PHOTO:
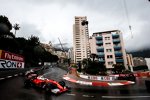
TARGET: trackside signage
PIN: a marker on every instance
(11, 60)
(101, 78)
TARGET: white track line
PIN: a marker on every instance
(88, 96)
(16, 75)
(124, 97)
(2, 78)
(9, 76)
(71, 94)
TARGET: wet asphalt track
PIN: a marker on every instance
(13, 89)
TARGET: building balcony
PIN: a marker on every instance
(99, 42)
(118, 54)
(99, 49)
(116, 41)
(102, 61)
(100, 54)
(117, 47)
(119, 60)
(115, 36)
(98, 37)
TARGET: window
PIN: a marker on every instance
(110, 63)
(108, 44)
(107, 38)
(108, 50)
(109, 56)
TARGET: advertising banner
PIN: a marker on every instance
(11, 60)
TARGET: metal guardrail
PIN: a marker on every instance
(10, 72)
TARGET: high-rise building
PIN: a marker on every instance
(109, 47)
(80, 39)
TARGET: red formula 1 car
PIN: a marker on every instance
(48, 85)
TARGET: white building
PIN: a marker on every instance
(148, 62)
(80, 39)
(109, 47)
(71, 55)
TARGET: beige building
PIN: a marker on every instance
(60, 53)
(80, 39)
(130, 61)
(48, 47)
(109, 47)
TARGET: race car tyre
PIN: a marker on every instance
(42, 85)
(62, 83)
(48, 87)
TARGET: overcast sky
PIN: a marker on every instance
(53, 19)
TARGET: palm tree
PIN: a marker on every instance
(16, 27)
(93, 56)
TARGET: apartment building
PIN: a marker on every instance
(109, 47)
(80, 39)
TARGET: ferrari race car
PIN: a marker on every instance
(48, 85)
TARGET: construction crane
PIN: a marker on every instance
(127, 15)
(61, 44)
(63, 50)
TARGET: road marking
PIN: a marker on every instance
(115, 84)
(124, 97)
(88, 96)
(2, 78)
(71, 94)
(66, 78)
(16, 75)
(9, 76)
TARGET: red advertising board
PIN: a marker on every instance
(11, 60)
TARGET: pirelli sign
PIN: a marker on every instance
(11, 60)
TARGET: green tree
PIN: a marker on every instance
(93, 56)
(96, 68)
(33, 41)
(118, 68)
(84, 62)
(55, 58)
(9, 44)
(5, 27)
(4, 20)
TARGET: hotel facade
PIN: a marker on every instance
(109, 47)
